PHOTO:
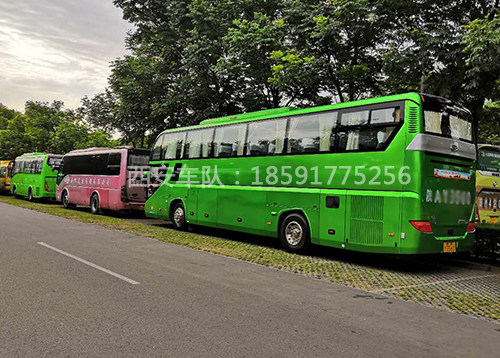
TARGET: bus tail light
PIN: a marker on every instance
(422, 226)
(124, 194)
(47, 187)
(471, 227)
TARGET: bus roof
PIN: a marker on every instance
(488, 146)
(89, 151)
(248, 115)
(287, 111)
(32, 154)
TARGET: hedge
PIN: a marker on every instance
(487, 242)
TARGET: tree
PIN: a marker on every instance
(195, 59)
(6, 115)
(47, 128)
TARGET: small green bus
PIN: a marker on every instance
(35, 176)
(393, 174)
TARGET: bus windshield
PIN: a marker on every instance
(489, 160)
(449, 122)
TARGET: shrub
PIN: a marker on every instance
(488, 241)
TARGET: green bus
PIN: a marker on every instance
(35, 176)
(393, 174)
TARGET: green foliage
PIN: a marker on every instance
(195, 59)
(46, 128)
(482, 46)
(488, 241)
(489, 127)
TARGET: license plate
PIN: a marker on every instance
(449, 247)
(493, 219)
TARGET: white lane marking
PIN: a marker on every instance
(126, 279)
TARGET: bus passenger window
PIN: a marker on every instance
(304, 134)
(199, 143)
(39, 167)
(158, 148)
(355, 118)
(193, 144)
(229, 140)
(207, 135)
(386, 115)
(266, 137)
(114, 164)
(174, 145)
(368, 130)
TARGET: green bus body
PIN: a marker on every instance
(372, 217)
(36, 172)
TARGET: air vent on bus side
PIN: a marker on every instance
(413, 120)
(367, 220)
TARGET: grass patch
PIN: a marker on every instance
(369, 272)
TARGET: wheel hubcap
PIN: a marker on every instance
(179, 216)
(65, 199)
(294, 233)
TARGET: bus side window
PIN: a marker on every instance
(368, 130)
(193, 144)
(266, 137)
(173, 145)
(312, 133)
(114, 164)
(31, 167)
(156, 153)
(230, 140)
(207, 142)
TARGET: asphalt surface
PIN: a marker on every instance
(194, 304)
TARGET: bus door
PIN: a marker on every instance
(332, 217)
(10, 170)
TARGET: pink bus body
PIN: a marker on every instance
(114, 175)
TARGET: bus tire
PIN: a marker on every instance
(94, 204)
(178, 217)
(14, 191)
(295, 233)
(65, 200)
(31, 198)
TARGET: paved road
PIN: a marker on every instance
(194, 304)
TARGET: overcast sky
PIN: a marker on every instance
(57, 49)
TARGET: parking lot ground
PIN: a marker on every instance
(428, 280)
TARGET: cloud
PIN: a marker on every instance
(57, 49)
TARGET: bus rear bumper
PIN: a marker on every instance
(428, 244)
(136, 206)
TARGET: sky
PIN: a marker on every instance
(57, 49)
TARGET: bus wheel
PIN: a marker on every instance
(15, 193)
(65, 200)
(178, 217)
(94, 205)
(31, 198)
(294, 233)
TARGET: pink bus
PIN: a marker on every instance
(103, 178)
